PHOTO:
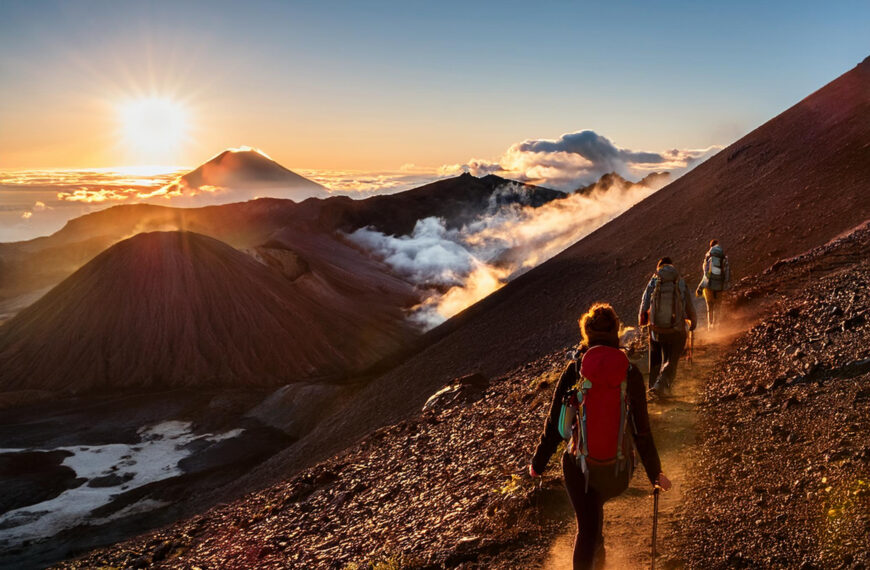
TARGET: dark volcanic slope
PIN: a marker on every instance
(47, 260)
(785, 419)
(431, 492)
(794, 183)
(458, 200)
(440, 488)
(182, 309)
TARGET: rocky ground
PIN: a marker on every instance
(784, 474)
(439, 490)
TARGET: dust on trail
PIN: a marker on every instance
(628, 518)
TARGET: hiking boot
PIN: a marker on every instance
(660, 390)
(600, 556)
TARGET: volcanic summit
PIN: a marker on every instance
(247, 169)
(179, 309)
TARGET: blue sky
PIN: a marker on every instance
(374, 85)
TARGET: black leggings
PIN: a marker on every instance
(667, 349)
(589, 507)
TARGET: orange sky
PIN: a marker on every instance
(354, 86)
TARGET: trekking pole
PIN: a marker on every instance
(655, 525)
(691, 348)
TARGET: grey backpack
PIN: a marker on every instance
(666, 311)
(716, 271)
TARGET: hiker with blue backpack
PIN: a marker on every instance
(599, 408)
(716, 279)
(666, 307)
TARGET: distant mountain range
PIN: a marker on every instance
(612, 180)
(38, 263)
(264, 292)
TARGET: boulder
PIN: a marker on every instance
(295, 408)
(459, 391)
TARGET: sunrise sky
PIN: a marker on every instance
(398, 90)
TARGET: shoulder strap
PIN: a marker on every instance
(623, 419)
(582, 445)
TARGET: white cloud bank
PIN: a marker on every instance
(576, 159)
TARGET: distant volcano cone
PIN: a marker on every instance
(247, 169)
(179, 309)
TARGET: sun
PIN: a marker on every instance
(153, 128)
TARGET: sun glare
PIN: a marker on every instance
(153, 128)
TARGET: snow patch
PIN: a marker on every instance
(154, 458)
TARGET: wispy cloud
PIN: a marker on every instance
(361, 183)
(96, 196)
(39, 202)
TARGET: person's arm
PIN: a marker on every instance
(643, 312)
(705, 268)
(643, 439)
(551, 437)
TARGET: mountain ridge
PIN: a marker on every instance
(46, 260)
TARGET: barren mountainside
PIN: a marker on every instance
(173, 309)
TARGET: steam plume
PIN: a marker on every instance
(458, 267)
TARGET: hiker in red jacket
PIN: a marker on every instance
(599, 406)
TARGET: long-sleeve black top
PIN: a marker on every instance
(643, 438)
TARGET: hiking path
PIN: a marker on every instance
(628, 518)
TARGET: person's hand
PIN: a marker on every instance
(532, 472)
(663, 482)
(691, 326)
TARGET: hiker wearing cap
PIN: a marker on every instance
(716, 279)
(665, 307)
(599, 408)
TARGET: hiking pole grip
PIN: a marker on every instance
(652, 564)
